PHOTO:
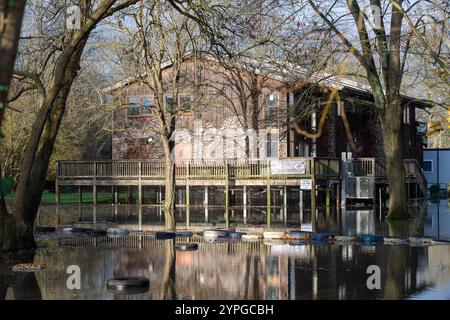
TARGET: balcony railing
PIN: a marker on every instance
(201, 170)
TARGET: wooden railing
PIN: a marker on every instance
(194, 170)
(369, 167)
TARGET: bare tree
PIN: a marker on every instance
(384, 54)
(64, 47)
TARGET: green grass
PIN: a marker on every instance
(49, 197)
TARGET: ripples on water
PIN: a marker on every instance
(244, 270)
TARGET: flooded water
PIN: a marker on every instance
(241, 270)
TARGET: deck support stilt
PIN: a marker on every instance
(205, 201)
(94, 214)
(140, 197)
(188, 213)
(58, 202)
(268, 194)
(244, 203)
(227, 196)
(94, 194)
(300, 205)
(285, 203)
(206, 204)
(338, 197)
(80, 195)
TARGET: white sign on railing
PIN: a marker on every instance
(288, 166)
(306, 184)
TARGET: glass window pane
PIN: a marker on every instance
(271, 105)
(185, 102)
(272, 145)
(133, 106)
(147, 103)
(169, 103)
(427, 165)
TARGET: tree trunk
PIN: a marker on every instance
(11, 14)
(169, 183)
(19, 232)
(392, 145)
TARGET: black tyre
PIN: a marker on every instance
(184, 234)
(186, 246)
(43, 229)
(165, 235)
(128, 285)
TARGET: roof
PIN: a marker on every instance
(279, 71)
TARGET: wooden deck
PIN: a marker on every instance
(194, 173)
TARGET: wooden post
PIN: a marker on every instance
(116, 195)
(140, 196)
(94, 214)
(80, 195)
(244, 203)
(227, 196)
(285, 203)
(94, 186)
(327, 201)
(58, 202)
(300, 205)
(338, 198)
(328, 196)
(205, 201)
(313, 191)
(140, 217)
(94, 194)
(187, 197)
(268, 193)
(206, 204)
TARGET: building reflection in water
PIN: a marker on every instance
(248, 270)
(237, 271)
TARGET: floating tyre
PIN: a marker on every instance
(186, 246)
(28, 267)
(274, 235)
(214, 234)
(440, 242)
(370, 239)
(117, 231)
(67, 230)
(235, 235)
(128, 285)
(415, 240)
(322, 236)
(184, 234)
(250, 237)
(394, 240)
(297, 242)
(165, 235)
(344, 239)
(274, 242)
(43, 229)
(298, 234)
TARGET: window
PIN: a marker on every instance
(169, 103)
(427, 165)
(147, 104)
(185, 103)
(133, 107)
(270, 106)
(272, 144)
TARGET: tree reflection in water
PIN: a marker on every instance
(168, 288)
